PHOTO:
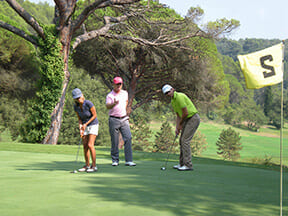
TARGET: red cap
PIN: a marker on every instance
(117, 80)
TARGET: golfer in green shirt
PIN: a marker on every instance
(187, 122)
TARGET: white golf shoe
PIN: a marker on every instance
(130, 163)
(115, 163)
(83, 169)
(92, 169)
(185, 168)
(176, 166)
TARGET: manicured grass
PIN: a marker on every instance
(261, 145)
(255, 145)
(36, 180)
(37, 183)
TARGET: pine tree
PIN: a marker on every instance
(198, 144)
(268, 100)
(164, 138)
(229, 144)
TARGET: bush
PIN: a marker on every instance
(229, 144)
(140, 131)
(164, 138)
(12, 115)
(267, 161)
(198, 144)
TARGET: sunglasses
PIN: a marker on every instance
(167, 92)
(118, 84)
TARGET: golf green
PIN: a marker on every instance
(41, 184)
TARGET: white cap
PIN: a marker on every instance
(166, 88)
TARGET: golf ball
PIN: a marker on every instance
(163, 168)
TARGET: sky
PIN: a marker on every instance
(266, 19)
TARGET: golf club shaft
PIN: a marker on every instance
(170, 150)
(78, 151)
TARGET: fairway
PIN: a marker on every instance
(41, 184)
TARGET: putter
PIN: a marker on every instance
(164, 168)
(75, 171)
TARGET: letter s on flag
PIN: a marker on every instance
(263, 68)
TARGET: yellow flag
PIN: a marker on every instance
(263, 68)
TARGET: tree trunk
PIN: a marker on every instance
(56, 116)
(131, 94)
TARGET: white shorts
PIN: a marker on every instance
(93, 129)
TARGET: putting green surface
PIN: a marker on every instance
(41, 184)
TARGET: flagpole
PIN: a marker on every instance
(281, 136)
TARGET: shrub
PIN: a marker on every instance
(140, 131)
(267, 161)
(198, 144)
(163, 139)
(229, 144)
(12, 115)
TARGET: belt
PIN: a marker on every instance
(118, 117)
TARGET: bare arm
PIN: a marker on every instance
(111, 105)
(184, 115)
(180, 120)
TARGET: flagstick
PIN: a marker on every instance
(281, 138)
(281, 141)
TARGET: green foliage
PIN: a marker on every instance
(268, 100)
(140, 130)
(12, 115)
(267, 160)
(237, 93)
(231, 115)
(246, 113)
(18, 66)
(229, 144)
(43, 11)
(94, 91)
(8, 15)
(195, 14)
(198, 144)
(274, 113)
(222, 25)
(49, 88)
(199, 73)
(253, 114)
(164, 138)
(229, 48)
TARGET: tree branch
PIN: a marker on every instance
(102, 31)
(96, 5)
(27, 17)
(142, 41)
(66, 9)
(18, 32)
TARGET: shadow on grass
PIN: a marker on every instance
(214, 188)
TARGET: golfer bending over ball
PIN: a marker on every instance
(116, 102)
(88, 125)
(187, 121)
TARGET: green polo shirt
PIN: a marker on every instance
(179, 101)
